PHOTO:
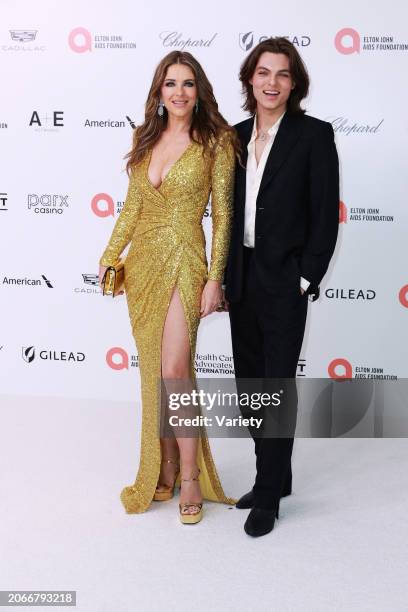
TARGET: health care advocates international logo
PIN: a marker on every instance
(47, 203)
(117, 358)
(81, 40)
(22, 41)
(179, 41)
(348, 41)
(102, 205)
(31, 282)
(341, 368)
(247, 40)
(364, 215)
(29, 353)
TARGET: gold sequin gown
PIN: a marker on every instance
(164, 226)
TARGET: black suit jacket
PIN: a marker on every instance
(297, 209)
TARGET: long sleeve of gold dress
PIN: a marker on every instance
(167, 250)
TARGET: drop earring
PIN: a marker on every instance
(160, 109)
(196, 106)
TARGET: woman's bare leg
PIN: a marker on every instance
(176, 365)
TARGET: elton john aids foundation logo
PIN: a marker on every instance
(81, 40)
(118, 359)
(342, 369)
(403, 296)
(342, 212)
(348, 41)
(365, 215)
(103, 205)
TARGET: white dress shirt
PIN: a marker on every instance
(254, 174)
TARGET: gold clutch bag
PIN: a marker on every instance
(114, 279)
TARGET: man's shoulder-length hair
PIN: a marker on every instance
(297, 69)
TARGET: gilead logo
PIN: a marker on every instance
(340, 368)
(342, 212)
(117, 358)
(343, 39)
(80, 40)
(403, 296)
(102, 205)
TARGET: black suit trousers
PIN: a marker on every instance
(267, 332)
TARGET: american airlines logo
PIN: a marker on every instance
(8, 280)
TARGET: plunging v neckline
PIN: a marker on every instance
(149, 159)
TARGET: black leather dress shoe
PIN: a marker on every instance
(260, 521)
(247, 501)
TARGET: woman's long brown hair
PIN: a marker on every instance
(207, 123)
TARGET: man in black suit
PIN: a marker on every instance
(283, 236)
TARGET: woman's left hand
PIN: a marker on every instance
(211, 297)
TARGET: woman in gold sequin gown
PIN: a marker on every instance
(183, 152)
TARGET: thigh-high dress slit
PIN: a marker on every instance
(167, 250)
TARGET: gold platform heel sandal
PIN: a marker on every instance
(167, 491)
(190, 518)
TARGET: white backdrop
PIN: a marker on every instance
(75, 74)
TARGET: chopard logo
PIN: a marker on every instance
(342, 125)
(177, 39)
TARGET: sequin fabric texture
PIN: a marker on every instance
(164, 227)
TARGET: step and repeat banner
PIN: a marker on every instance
(75, 77)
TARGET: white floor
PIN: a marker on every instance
(340, 544)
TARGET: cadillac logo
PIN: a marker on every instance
(23, 35)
